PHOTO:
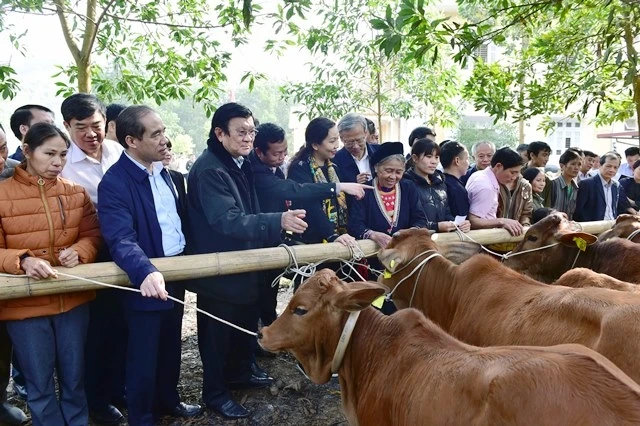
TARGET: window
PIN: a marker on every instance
(482, 52)
(558, 151)
(567, 142)
(558, 124)
(568, 125)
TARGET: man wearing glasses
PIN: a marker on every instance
(353, 159)
(224, 215)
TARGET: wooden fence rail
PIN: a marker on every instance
(205, 265)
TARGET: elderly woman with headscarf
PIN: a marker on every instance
(392, 205)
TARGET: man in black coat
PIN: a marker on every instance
(353, 159)
(275, 192)
(224, 215)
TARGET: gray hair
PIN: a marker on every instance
(477, 145)
(351, 121)
(398, 157)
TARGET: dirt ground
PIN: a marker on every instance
(293, 401)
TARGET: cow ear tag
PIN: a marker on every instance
(581, 243)
(378, 302)
(386, 274)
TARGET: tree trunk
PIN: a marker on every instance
(636, 101)
(84, 75)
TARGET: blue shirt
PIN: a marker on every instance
(608, 197)
(173, 241)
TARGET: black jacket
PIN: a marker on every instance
(224, 216)
(348, 168)
(320, 227)
(433, 197)
(274, 190)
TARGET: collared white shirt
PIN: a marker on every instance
(608, 197)
(173, 241)
(239, 161)
(624, 170)
(363, 163)
(87, 171)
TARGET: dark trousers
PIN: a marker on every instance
(268, 297)
(47, 344)
(153, 362)
(5, 361)
(106, 349)
(226, 353)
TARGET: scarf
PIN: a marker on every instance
(335, 212)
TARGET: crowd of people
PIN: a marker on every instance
(103, 191)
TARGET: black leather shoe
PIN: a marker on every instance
(10, 415)
(229, 409)
(107, 415)
(20, 390)
(185, 410)
(257, 371)
(254, 382)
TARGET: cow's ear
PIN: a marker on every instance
(577, 239)
(390, 258)
(357, 296)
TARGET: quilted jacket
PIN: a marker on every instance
(43, 217)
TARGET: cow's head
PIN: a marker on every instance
(405, 246)
(626, 224)
(542, 261)
(310, 326)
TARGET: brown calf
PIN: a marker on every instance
(583, 277)
(615, 257)
(485, 303)
(627, 225)
(403, 370)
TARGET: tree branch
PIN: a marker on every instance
(66, 31)
(164, 24)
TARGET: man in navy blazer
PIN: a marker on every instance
(353, 159)
(139, 217)
(601, 197)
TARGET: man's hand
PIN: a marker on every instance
(346, 240)
(380, 238)
(465, 226)
(355, 189)
(153, 286)
(512, 226)
(363, 177)
(292, 221)
(38, 268)
(69, 258)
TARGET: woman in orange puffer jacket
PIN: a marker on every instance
(47, 221)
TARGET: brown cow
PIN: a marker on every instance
(583, 277)
(626, 225)
(403, 370)
(615, 257)
(485, 303)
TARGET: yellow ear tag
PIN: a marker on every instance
(386, 274)
(581, 243)
(378, 302)
(392, 263)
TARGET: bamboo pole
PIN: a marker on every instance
(227, 263)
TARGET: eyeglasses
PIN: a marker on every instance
(353, 142)
(244, 133)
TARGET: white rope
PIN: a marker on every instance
(633, 234)
(135, 290)
(420, 266)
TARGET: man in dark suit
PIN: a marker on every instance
(224, 215)
(601, 197)
(274, 192)
(139, 217)
(353, 159)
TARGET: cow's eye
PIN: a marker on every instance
(299, 311)
(532, 238)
